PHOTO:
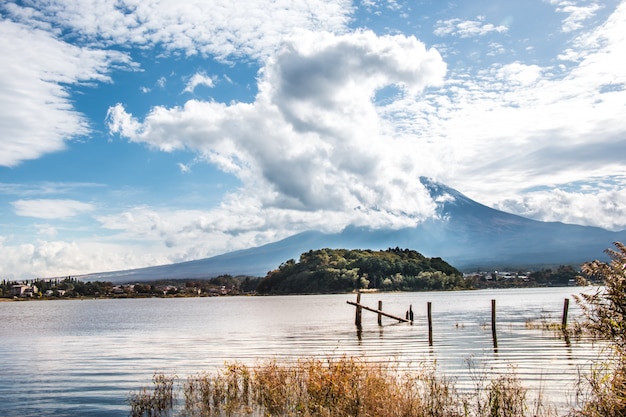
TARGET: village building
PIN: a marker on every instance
(23, 290)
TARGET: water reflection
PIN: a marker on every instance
(84, 357)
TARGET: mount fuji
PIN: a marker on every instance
(466, 234)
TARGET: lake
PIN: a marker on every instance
(84, 357)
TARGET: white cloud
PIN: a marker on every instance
(520, 126)
(239, 222)
(518, 73)
(48, 231)
(36, 113)
(144, 236)
(608, 207)
(45, 188)
(467, 28)
(118, 121)
(312, 140)
(603, 43)
(576, 14)
(57, 258)
(51, 208)
(184, 168)
(196, 80)
(220, 28)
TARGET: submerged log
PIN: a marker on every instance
(364, 307)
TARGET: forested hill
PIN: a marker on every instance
(341, 270)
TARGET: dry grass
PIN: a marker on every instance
(336, 387)
(604, 387)
(156, 402)
(602, 390)
(573, 330)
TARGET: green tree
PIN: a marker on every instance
(143, 288)
(67, 284)
(333, 270)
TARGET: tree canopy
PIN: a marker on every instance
(341, 270)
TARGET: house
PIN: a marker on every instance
(18, 290)
(23, 290)
(117, 290)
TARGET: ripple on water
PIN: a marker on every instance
(85, 357)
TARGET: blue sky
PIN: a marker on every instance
(136, 133)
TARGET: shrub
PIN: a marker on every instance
(605, 314)
(605, 309)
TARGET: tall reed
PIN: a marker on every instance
(605, 313)
(157, 402)
(337, 387)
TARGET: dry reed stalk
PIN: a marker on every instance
(334, 387)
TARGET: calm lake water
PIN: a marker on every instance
(84, 357)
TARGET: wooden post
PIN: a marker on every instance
(357, 318)
(493, 324)
(380, 316)
(362, 307)
(430, 323)
(565, 310)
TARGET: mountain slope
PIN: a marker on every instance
(476, 234)
(465, 233)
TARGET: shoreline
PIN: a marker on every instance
(367, 291)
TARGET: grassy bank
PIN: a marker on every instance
(336, 387)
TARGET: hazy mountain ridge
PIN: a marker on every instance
(465, 233)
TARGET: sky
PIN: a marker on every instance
(145, 132)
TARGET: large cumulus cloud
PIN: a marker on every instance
(314, 138)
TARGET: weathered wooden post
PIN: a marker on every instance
(360, 307)
(380, 316)
(565, 310)
(493, 324)
(430, 323)
(357, 318)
